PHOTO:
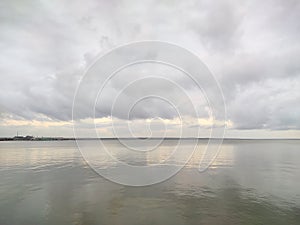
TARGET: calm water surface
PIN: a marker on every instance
(251, 182)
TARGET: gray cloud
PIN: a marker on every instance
(251, 46)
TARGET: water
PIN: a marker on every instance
(251, 182)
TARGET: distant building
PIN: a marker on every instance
(29, 138)
(18, 137)
(23, 138)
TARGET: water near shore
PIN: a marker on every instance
(251, 182)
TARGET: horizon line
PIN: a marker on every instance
(145, 138)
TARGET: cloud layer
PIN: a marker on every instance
(252, 47)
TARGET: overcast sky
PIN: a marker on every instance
(252, 48)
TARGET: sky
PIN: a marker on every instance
(251, 47)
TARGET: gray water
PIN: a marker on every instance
(251, 182)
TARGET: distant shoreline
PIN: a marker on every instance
(30, 138)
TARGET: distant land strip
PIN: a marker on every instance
(32, 138)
